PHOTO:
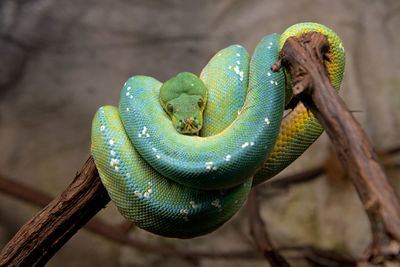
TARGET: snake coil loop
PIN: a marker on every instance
(184, 186)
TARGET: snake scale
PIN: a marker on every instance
(183, 186)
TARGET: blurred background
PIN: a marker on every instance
(61, 60)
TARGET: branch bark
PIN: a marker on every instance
(119, 234)
(20, 250)
(304, 58)
(43, 235)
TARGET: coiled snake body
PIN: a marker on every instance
(183, 186)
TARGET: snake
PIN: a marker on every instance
(179, 158)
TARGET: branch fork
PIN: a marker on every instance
(316, 45)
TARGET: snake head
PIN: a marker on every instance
(184, 97)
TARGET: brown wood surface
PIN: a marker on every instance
(114, 233)
(44, 234)
(304, 58)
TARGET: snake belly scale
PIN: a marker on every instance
(185, 186)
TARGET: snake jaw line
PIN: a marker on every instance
(183, 97)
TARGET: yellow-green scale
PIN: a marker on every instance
(299, 128)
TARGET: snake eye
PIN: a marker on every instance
(170, 108)
(200, 102)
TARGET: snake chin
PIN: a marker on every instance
(189, 126)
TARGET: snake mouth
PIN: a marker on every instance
(189, 125)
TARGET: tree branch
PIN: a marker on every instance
(43, 235)
(116, 234)
(295, 178)
(304, 58)
(257, 229)
(119, 234)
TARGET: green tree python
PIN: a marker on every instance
(173, 183)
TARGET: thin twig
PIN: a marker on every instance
(295, 178)
(308, 175)
(257, 229)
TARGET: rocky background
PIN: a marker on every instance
(61, 60)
